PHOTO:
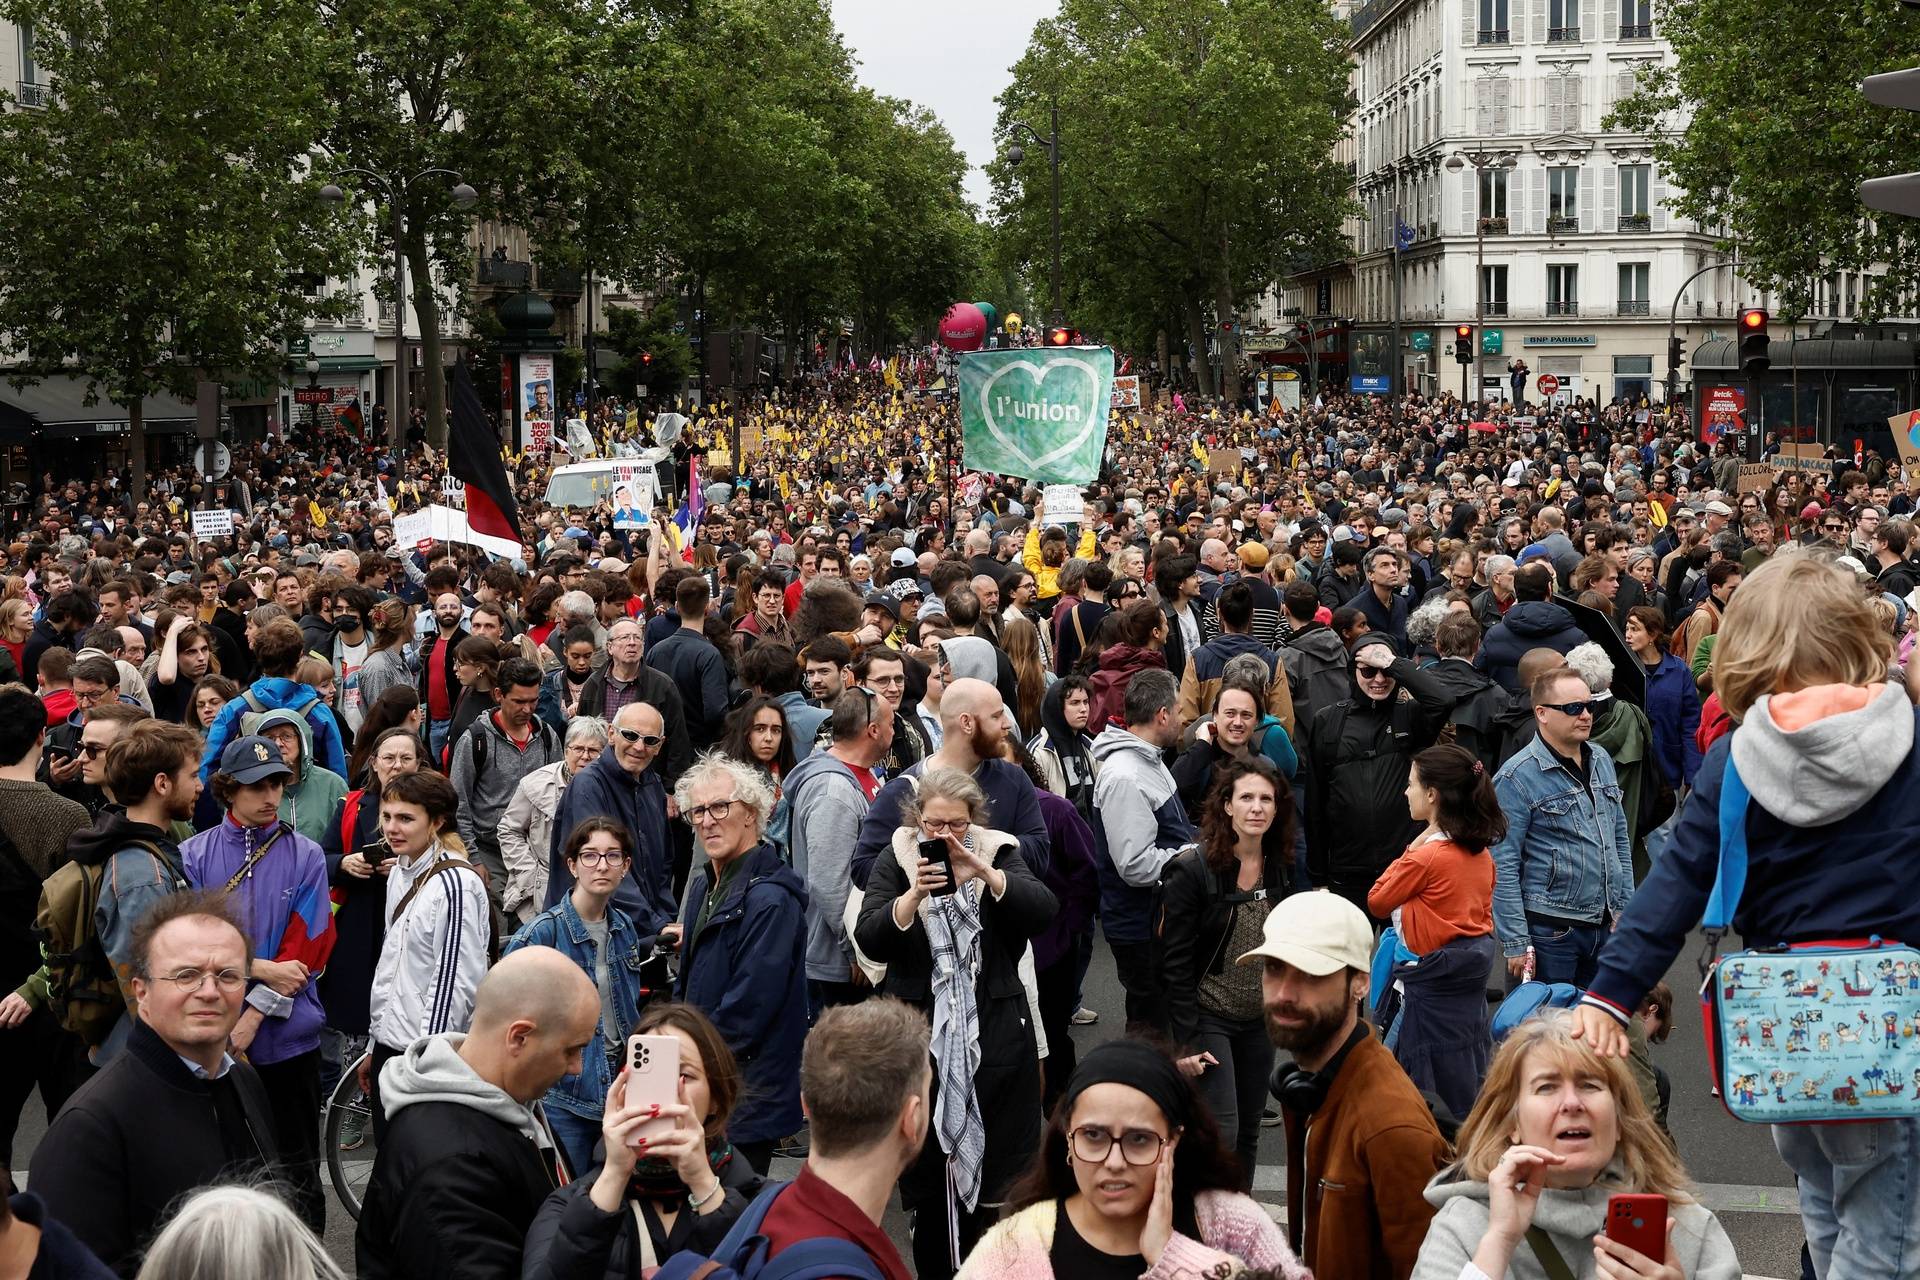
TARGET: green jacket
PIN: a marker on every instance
(313, 797)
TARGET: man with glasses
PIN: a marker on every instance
(177, 1111)
(623, 785)
(828, 794)
(884, 671)
(1564, 870)
(96, 681)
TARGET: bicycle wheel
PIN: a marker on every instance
(350, 1121)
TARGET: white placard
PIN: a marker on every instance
(212, 524)
(1064, 504)
(411, 528)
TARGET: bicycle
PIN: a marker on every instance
(349, 1170)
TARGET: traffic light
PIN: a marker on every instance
(1226, 326)
(1676, 353)
(1463, 343)
(1060, 336)
(1899, 194)
(1753, 341)
(646, 359)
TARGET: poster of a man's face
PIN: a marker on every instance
(627, 514)
(540, 400)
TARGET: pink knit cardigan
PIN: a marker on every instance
(1235, 1232)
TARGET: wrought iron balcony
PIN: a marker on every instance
(566, 280)
(506, 273)
(1493, 226)
(1562, 226)
(1563, 35)
(1635, 307)
(1636, 222)
(1563, 308)
(1494, 308)
(34, 95)
(1494, 36)
(1636, 31)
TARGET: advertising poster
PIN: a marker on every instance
(1720, 413)
(536, 395)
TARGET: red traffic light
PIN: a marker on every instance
(1753, 320)
(1463, 332)
(1061, 337)
(646, 357)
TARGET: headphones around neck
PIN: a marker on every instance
(1305, 1092)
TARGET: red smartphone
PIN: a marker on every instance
(653, 1076)
(1640, 1223)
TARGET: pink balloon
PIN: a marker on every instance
(964, 328)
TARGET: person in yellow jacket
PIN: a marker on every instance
(1044, 553)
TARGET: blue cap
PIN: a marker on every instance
(253, 759)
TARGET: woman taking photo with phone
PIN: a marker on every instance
(646, 1203)
(1215, 899)
(1557, 1132)
(950, 915)
(588, 929)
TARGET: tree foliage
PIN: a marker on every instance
(1197, 145)
(1762, 132)
(154, 221)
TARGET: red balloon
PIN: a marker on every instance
(963, 328)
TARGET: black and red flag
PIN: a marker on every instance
(473, 457)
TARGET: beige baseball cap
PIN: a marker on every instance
(1317, 933)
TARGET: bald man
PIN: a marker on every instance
(973, 727)
(467, 1157)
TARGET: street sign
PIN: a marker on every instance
(1549, 385)
(313, 395)
(215, 459)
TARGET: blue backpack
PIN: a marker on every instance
(1528, 999)
(742, 1255)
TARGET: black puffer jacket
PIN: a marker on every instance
(1359, 752)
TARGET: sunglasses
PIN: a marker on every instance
(1575, 709)
(647, 740)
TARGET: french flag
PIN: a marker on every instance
(692, 507)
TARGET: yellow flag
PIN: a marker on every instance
(1199, 454)
(318, 516)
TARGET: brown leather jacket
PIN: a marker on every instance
(1368, 1154)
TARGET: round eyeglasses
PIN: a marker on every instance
(1090, 1144)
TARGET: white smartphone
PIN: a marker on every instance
(653, 1076)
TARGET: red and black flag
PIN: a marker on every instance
(473, 457)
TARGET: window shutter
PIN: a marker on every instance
(1536, 222)
(1539, 22)
(1586, 199)
(1469, 23)
(1609, 198)
(1623, 85)
(1469, 200)
(1556, 112)
(1503, 106)
(1588, 20)
(1609, 19)
(1483, 107)
(1657, 199)
(1573, 103)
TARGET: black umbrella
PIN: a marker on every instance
(1629, 677)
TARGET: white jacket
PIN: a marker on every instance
(525, 833)
(434, 955)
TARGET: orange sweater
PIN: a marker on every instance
(1443, 891)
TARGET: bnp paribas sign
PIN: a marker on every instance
(1037, 413)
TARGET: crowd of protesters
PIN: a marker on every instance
(1331, 721)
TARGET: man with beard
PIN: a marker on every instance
(439, 686)
(1353, 1119)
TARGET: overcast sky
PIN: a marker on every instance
(952, 58)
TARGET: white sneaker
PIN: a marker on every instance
(1084, 1017)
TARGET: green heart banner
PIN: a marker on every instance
(1037, 413)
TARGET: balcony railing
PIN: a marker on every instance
(1563, 35)
(1562, 308)
(1493, 226)
(1494, 308)
(1494, 36)
(1562, 226)
(1636, 31)
(507, 273)
(1632, 222)
(34, 95)
(1634, 307)
(561, 280)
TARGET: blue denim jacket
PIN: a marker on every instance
(1566, 851)
(561, 928)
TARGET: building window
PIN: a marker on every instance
(1634, 288)
(1493, 22)
(1563, 199)
(1493, 201)
(1493, 290)
(1636, 19)
(1635, 210)
(1563, 20)
(1563, 289)
(32, 92)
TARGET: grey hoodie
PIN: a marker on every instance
(1572, 1218)
(1829, 769)
(826, 804)
(432, 1070)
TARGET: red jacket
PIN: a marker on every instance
(811, 1208)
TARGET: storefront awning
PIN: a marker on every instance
(57, 408)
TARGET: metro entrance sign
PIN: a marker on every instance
(1549, 385)
(313, 395)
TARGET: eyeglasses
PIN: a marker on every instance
(1138, 1147)
(92, 749)
(189, 980)
(1834, 528)
(891, 682)
(647, 740)
(717, 811)
(1575, 709)
(597, 858)
(946, 827)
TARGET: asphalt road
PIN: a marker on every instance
(1739, 1175)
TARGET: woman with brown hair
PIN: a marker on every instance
(1021, 640)
(1215, 898)
(391, 622)
(16, 624)
(1141, 629)
(686, 1189)
(476, 664)
(1557, 1131)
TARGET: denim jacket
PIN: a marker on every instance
(1566, 851)
(561, 928)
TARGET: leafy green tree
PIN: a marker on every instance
(654, 351)
(1760, 128)
(156, 217)
(1197, 139)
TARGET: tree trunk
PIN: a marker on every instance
(1229, 373)
(426, 309)
(1197, 339)
(137, 449)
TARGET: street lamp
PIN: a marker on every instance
(1481, 161)
(1015, 154)
(313, 386)
(395, 191)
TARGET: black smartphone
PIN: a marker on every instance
(936, 851)
(60, 751)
